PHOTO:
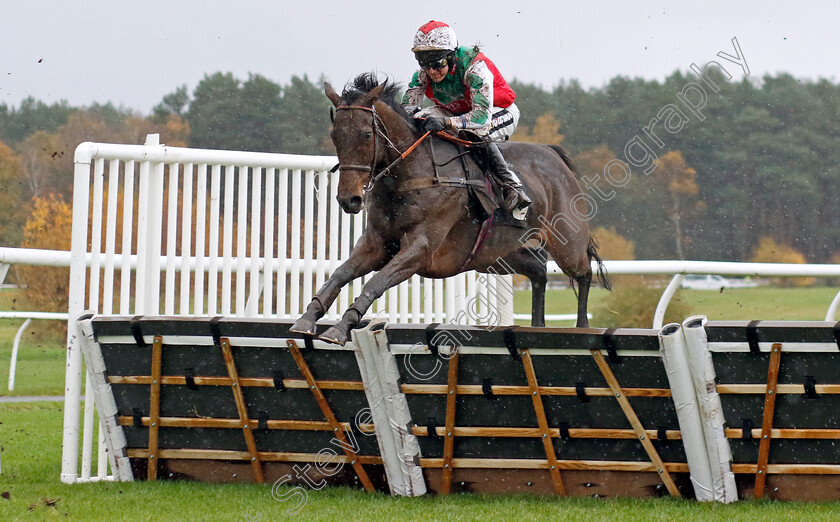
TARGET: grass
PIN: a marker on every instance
(30, 445)
(764, 303)
(40, 368)
(30, 434)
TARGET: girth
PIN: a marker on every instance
(421, 183)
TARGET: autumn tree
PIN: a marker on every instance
(545, 130)
(12, 185)
(174, 131)
(42, 154)
(681, 185)
(48, 157)
(769, 251)
(592, 161)
(612, 245)
(49, 227)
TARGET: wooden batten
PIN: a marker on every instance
(154, 407)
(589, 465)
(449, 440)
(658, 465)
(246, 382)
(328, 413)
(242, 409)
(209, 422)
(574, 433)
(767, 421)
(474, 389)
(786, 433)
(781, 389)
(539, 410)
(789, 469)
(264, 456)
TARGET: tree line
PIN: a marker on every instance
(762, 163)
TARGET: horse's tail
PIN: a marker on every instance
(565, 156)
(592, 253)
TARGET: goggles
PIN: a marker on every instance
(438, 63)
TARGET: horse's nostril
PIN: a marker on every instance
(356, 202)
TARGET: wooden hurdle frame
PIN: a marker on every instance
(154, 422)
(479, 420)
(769, 344)
(532, 388)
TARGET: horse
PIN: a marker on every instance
(421, 222)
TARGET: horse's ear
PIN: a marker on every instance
(373, 94)
(332, 95)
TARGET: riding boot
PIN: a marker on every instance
(516, 200)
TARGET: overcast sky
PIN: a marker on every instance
(133, 53)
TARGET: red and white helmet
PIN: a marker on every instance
(435, 36)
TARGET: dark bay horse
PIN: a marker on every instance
(414, 227)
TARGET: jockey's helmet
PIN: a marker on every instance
(434, 42)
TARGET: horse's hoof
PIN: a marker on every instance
(303, 326)
(335, 336)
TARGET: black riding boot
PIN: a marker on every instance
(515, 197)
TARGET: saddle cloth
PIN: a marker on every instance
(489, 192)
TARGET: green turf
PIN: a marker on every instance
(31, 434)
(764, 303)
(40, 368)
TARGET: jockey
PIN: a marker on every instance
(469, 94)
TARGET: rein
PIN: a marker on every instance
(377, 128)
(420, 182)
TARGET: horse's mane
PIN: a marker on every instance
(365, 82)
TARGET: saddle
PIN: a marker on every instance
(485, 193)
(488, 193)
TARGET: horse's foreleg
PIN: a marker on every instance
(405, 264)
(368, 255)
(584, 282)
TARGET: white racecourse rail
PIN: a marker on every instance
(252, 235)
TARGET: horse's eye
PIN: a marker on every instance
(368, 135)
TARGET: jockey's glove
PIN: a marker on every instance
(435, 124)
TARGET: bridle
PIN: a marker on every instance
(378, 131)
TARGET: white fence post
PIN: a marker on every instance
(78, 271)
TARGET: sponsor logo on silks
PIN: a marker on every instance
(501, 120)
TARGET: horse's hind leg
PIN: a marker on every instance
(584, 283)
(531, 263)
(573, 259)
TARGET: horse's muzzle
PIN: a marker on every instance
(351, 205)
